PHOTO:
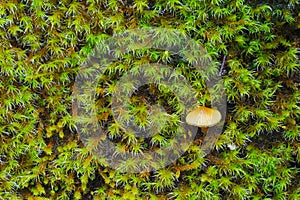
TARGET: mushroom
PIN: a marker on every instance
(203, 117)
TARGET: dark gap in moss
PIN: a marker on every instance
(267, 140)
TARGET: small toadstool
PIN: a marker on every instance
(203, 117)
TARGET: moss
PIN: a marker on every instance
(43, 44)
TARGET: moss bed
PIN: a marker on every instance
(254, 46)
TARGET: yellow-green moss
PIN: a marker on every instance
(42, 44)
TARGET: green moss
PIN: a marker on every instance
(42, 46)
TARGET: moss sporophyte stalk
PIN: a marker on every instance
(144, 87)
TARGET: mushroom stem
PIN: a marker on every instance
(204, 129)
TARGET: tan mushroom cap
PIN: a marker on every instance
(203, 117)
